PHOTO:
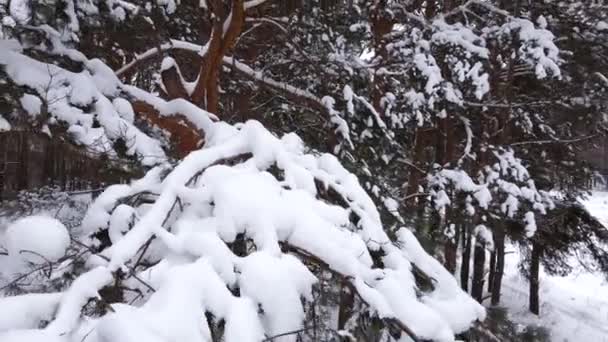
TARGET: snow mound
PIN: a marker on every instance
(37, 239)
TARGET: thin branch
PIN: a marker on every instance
(565, 141)
(294, 332)
(49, 263)
(148, 286)
(23, 276)
(253, 3)
(418, 194)
(510, 105)
(484, 4)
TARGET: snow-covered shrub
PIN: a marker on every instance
(232, 240)
(35, 240)
(34, 253)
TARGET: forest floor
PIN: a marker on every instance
(574, 307)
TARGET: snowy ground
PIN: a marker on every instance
(574, 308)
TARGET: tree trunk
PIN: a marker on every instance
(450, 251)
(499, 267)
(23, 162)
(534, 280)
(347, 298)
(491, 270)
(466, 258)
(430, 9)
(222, 39)
(424, 136)
(381, 26)
(479, 262)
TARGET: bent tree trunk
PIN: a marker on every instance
(534, 280)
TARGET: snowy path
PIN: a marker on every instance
(574, 308)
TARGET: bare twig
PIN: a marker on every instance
(294, 332)
(132, 273)
(557, 141)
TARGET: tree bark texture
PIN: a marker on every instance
(534, 278)
(479, 262)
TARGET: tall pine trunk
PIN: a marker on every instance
(479, 262)
(534, 279)
(491, 270)
(499, 266)
(450, 250)
(347, 298)
(466, 257)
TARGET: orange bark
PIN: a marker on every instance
(185, 138)
(206, 92)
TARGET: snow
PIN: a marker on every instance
(4, 125)
(67, 92)
(98, 216)
(539, 48)
(280, 302)
(459, 35)
(124, 109)
(121, 219)
(601, 26)
(453, 304)
(82, 289)
(572, 307)
(8, 21)
(223, 201)
(27, 311)
(167, 63)
(530, 224)
(198, 208)
(33, 335)
(482, 233)
(31, 104)
(542, 22)
(20, 11)
(597, 205)
(36, 239)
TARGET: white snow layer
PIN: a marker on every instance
(572, 307)
(196, 269)
(31, 104)
(4, 124)
(36, 240)
(66, 93)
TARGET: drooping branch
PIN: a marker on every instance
(296, 94)
(184, 136)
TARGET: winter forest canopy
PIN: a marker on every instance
(295, 170)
